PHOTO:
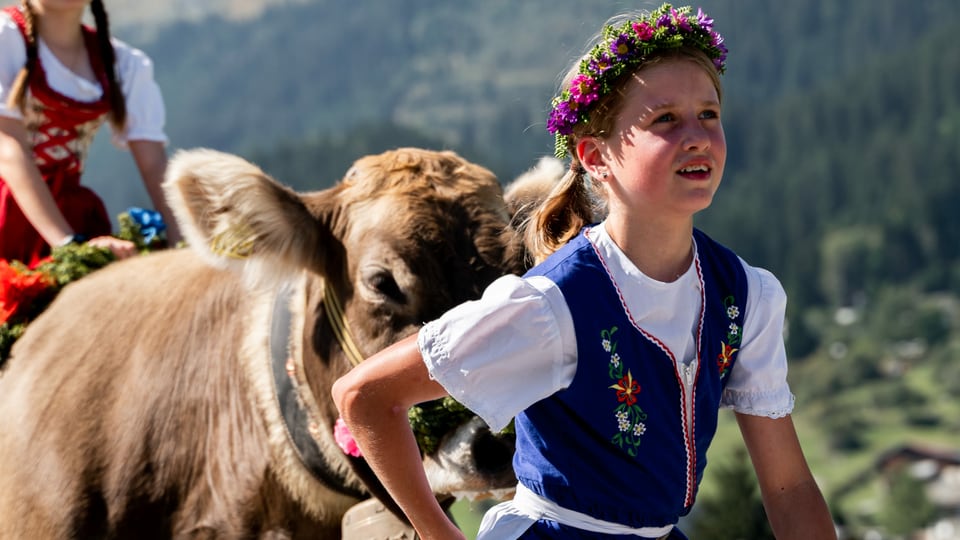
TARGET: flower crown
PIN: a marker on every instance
(623, 48)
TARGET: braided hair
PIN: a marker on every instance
(18, 91)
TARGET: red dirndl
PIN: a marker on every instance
(61, 130)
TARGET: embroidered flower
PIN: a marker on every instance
(345, 440)
(725, 358)
(629, 416)
(627, 389)
(734, 335)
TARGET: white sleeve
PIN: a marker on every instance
(500, 354)
(758, 381)
(12, 58)
(146, 113)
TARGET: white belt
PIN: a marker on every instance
(534, 507)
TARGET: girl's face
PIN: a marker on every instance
(666, 154)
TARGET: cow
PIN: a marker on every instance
(185, 393)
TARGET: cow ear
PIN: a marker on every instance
(523, 197)
(525, 193)
(235, 215)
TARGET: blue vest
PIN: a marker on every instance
(626, 442)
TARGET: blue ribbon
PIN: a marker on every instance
(150, 222)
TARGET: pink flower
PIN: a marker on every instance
(643, 30)
(341, 434)
(583, 89)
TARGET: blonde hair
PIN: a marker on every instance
(577, 200)
(18, 91)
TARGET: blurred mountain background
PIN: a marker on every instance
(843, 177)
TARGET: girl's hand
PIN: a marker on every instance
(121, 249)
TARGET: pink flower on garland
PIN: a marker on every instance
(583, 89)
(643, 30)
(345, 440)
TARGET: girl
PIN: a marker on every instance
(59, 81)
(616, 351)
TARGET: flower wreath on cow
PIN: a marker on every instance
(25, 292)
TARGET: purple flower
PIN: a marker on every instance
(562, 118)
(621, 47)
(600, 64)
(705, 22)
(643, 30)
(664, 21)
(680, 20)
(583, 89)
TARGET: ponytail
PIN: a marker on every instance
(569, 207)
(118, 107)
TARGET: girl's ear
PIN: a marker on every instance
(590, 154)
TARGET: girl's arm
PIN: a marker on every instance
(373, 400)
(794, 504)
(21, 174)
(151, 159)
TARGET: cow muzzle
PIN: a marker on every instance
(473, 463)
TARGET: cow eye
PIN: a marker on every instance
(384, 283)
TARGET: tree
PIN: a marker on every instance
(734, 510)
(906, 507)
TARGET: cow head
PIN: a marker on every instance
(403, 237)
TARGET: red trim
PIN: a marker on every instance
(689, 424)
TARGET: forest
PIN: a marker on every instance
(843, 128)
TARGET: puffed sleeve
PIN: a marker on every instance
(146, 114)
(500, 354)
(758, 381)
(12, 58)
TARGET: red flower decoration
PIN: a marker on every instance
(19, 289)
(725, 358)
(627, 389)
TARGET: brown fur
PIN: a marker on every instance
(139, 404)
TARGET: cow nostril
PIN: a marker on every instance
(493, 453)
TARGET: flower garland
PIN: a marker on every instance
(25, 292)
(620, 51)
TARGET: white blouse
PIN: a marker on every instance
(145, 109)
(516, 345)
